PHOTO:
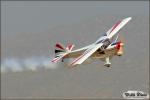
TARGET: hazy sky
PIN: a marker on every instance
(40, 16)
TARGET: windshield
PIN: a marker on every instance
(101, 39)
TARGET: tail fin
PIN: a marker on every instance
(59, 48)
(60, 51)
(69, 47)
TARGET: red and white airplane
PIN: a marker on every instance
(104, 48)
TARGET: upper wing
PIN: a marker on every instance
(86, 54)
(110, 33)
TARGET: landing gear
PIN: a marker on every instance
(62, 60)
(107, 64)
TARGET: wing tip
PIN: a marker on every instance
(72, 64)
(128, 18)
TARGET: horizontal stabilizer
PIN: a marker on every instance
(61, 52)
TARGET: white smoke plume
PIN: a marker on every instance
(32, 64)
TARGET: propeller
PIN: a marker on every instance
(120, 38)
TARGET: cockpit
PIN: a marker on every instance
(101, 39)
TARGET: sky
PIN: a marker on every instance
(40, 16)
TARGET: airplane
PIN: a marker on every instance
(104, 48)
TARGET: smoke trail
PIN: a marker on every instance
(32, 64)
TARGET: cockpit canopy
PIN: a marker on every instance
(101, 39)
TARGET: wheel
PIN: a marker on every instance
(107, 65)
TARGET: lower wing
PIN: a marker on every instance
(86, 54)
(76, 53)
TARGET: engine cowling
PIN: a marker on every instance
(119, 46)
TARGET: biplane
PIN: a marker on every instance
(104, 48)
